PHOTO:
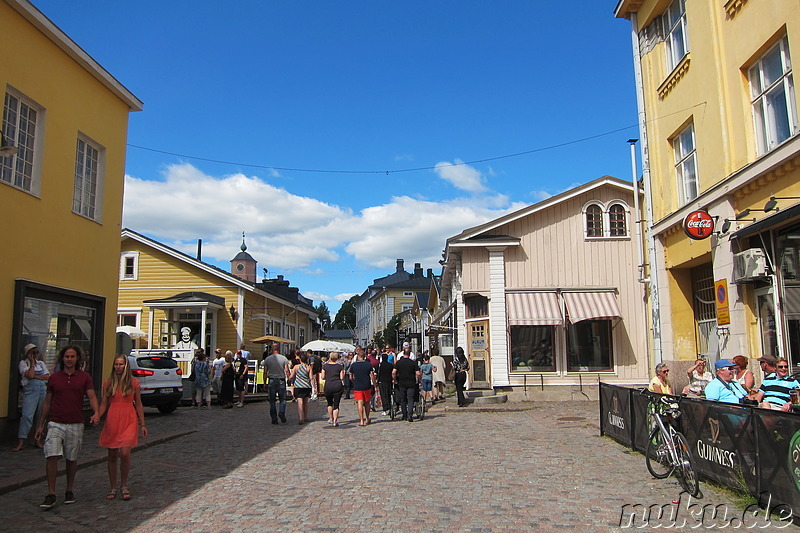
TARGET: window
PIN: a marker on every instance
(686, 164)
(477, 306)
(705, 309)
(408, 293)
(676, 37)
(129, 266)
(128, 319)
(594, 221)
(20, 121)
(301, 340)
(589, 346)
(532, 349)
(88, 180)
(407, 307)
(616, 221)
(772, 94)
(446, 341)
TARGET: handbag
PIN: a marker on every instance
(451, 376)
(191, 375)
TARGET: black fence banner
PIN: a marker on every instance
(745, 448)
(721, 437)
(616, 419)
(778, 437)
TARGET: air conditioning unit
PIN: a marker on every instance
(749, 265)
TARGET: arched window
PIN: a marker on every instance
(594, 221)
(616, 221)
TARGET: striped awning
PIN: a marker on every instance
(533, 309)
(591, 305)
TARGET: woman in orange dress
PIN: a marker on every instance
(122, 399)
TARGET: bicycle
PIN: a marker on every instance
(420, 405)
(667, 449)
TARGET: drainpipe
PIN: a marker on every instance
(648, 192)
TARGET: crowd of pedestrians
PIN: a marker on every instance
(55, 399)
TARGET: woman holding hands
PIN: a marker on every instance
(123, 401)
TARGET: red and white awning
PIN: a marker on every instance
(591, 305)
(533, 309)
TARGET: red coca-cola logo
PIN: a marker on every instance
(698, 225)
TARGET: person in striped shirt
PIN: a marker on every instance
(775, 387)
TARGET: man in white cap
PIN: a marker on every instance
(407, 351)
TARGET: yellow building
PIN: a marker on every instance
(718, 121)
(162, 291)
(62, 165)
(392, 298)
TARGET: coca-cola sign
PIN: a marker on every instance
(698, 225)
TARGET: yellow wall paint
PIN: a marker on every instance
(47, 243)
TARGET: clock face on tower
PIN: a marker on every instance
(240, 267)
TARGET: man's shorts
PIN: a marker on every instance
(427, 385)
(63, 439)
(364, 395)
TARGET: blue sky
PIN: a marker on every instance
(272, 90)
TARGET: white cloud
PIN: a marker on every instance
(344, 296)
(538, 196)
(188, 204)
(316, 296)
(461, 175)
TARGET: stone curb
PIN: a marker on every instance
(14, 483)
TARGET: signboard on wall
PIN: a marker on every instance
(721, 299)
(698, 225)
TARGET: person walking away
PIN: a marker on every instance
(63, 412)
(242, 369)
(461, 366)
(363, 377)
(315, 363)
(300, 375)
(407, 375)
(439, 377)
(427, 369)
(216, 378)
(372, 358)
(123, 401)
(277, 372)
(34, 376)
(202, 379)
(228, 379)
(333, 375)
(348, 384)
(385, 380)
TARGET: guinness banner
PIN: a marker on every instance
(616, 419)
(748, 449)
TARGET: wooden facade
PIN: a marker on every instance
(544, 249)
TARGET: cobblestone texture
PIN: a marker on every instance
(457, 470)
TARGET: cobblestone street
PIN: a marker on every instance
(457, 470)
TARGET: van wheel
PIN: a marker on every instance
(167, 408)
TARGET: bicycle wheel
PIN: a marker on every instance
(686, 472)
(392, 406)
(421, 409)
(657, 458)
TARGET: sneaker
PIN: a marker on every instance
(49, 501)
(69, 497)
(313, 397)
(239, 404)
(274, 422)
(282, 416)
(385, 413)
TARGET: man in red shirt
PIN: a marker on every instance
(63, 404)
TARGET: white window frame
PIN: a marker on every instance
(675, 35)
(766, 116)
(406, 307)
(684, 146)
(28, 156)
(129, 311)
(87, 199)
(408, 294)
(124, 256)
(605, 220)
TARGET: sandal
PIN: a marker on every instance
(125, 494)
(111, 494)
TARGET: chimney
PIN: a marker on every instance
(430, 273)
(399, 265)
(199, 249)
(417, 270)
(280, 277)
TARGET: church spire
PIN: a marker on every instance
(243, 246)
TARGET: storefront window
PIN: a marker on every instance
(532, 349)
(589, 346)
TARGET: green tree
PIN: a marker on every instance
(324, 315)
(390, 332)
(346, 316)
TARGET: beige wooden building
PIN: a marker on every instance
(162, 291)
(547, 298)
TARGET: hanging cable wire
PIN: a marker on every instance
(413, 169)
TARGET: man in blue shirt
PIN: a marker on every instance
(774, 390)
(724, 388)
